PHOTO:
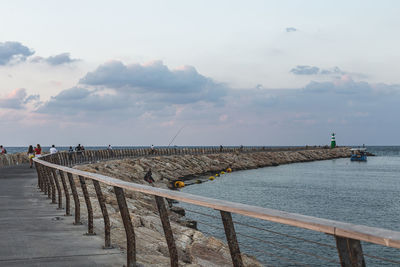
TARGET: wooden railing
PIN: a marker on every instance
(51, 171)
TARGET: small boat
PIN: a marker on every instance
(358, 154)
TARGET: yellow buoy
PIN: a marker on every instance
(211, 178)
(222, 172)
(179, 184)
(228, 170)
(217, 174)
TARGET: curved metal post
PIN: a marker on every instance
(45, 181)
(102, 203)
(88, 205)
(76, 199)
(231, 238)
(130, 233)
(53, 171)
(350, 252)
(66, 193)
(173, 253)
(40, 178)
(53, 187)
(40, 186)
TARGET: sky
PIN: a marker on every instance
(225, 72)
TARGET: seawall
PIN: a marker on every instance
(171, 167)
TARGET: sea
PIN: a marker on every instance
(364, 193)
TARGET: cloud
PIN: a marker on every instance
(149, 92)
(77, 100)
(313, 70)
(13, 52)
(343, 85)
(179, 86)
(32, 98)
(18, 99)
(291, 29)
(150, 98)
(63, 58)
(305, 70)
(332, 71)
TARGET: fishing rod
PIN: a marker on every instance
(176, 135)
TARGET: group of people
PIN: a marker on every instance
(34, 152)
(37, 152)
(79, 149)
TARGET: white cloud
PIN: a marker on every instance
(17, 99)
(184, 85)
(60, 59)
(13, 52)
(291, 29)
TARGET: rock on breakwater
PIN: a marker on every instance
(166, 168)
(194, 248)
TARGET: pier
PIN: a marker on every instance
(34, 233)
(35, 230)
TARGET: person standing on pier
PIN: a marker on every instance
(70, 152)
(109, 148)
(31, 155)
(53, 149)
(79, 151)
(3, 150)
(38, 151)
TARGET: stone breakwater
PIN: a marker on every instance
(13, 159)
(194, 248)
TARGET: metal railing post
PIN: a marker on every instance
(231, 238)
(173, 253)
(76, 199)
(53, 187)
(66, 193)
(47, 190)
(53, 171)
(40, 178)
(350, 252)
(130, 233)
(88, 205)
(107, 226)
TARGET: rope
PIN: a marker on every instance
(274, 243)
(270, 231)
(290, 236)
(290, 248)
(382, 259)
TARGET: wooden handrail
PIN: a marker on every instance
(374, 235)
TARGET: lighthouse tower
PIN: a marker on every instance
(333, 141)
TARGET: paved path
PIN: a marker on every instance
(34, 233)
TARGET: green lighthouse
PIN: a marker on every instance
(333, 141)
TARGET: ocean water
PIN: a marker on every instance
(365, 193)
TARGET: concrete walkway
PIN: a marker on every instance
(34, 233)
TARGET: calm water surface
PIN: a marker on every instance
(364, 193)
